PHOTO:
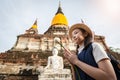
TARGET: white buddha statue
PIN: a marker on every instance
(55, 61)
(54, 69)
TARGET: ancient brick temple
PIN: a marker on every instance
(32, 48)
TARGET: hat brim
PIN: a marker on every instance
(79, 26)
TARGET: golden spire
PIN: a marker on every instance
(33, 29)
(34, 26)
(59, 17)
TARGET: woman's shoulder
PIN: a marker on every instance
(98, 52)
(96, 44)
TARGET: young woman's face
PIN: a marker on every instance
(77, 36)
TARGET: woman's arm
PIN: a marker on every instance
(103, 72)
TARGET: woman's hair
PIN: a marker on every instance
(88, 39)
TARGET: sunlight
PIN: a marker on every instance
(111, 7)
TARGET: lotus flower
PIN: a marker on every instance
(57, 40)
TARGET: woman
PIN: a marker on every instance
(91, 61)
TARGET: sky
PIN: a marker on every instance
(16, 16)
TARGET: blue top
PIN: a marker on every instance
(85, 56)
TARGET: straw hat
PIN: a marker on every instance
(82, 26)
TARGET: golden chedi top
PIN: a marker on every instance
(59, 18)
(34, 26)
(33, 29)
